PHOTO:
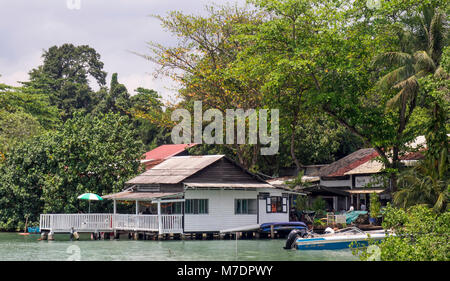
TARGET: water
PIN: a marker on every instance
(26, 248)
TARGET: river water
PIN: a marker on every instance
(27, 248)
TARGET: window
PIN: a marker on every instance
(171, 208)
(196, 206)
(276, 204)
(245, 206)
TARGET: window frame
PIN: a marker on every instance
(193, 205)
(247, 205)
(281, 206)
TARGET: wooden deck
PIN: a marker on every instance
(63, 223)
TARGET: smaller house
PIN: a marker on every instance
(343, 183)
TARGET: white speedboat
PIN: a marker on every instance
(340, 239)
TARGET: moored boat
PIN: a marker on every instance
(282, 226)
(341, 239)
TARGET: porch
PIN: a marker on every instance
(159, 222)
(63, 223)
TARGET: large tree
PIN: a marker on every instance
(201, 60)
(67, 74)
(89, 154)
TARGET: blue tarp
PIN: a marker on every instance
(353, 215)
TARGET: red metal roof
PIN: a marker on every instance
(417, 155)
(167, 150)
(349, 162)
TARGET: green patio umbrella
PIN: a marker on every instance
(90, 196)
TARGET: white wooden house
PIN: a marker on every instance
(186, 194)
(211, 193)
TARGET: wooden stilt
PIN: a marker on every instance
(44, 235)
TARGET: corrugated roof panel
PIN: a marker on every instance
(349, 162)
(166, 151)
(370, 167)
(175, 169)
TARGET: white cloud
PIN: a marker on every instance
(112, 27)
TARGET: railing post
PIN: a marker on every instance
(159, 218)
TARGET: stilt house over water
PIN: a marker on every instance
(188, 194)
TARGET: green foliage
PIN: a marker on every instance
(24, 113)
(64, 77)
(375, 206)
(15, 128)
(319, 222)
(45, 175)
(302, 203)
(319, 205)
(421, 235)
(427, 183)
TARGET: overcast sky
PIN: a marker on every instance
(112, 27)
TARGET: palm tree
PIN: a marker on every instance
(409, 67)
(420, 185)
(428, 183)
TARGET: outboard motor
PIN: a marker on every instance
(292, 238)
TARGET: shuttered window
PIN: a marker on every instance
(276, 204)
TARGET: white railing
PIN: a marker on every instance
(111, 222)
(77, 221)
(136, 222)
(172, 223)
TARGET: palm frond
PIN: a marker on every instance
(394, 101)
(424, 62)
(395, 76)
(393, 58)
(440, 73)
(409, 89)
(436, 36)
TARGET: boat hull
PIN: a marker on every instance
(336, 242)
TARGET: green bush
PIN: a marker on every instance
(421, 235)
(375, 206)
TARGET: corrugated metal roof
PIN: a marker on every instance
(349, 162)
(370, 167)
(166, 151)
(364, 191)
(416, 155)
(133, 195)
(175, 169)
(283, 181)
(230, 185)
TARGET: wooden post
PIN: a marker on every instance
(43, 235)
(159, 218)
(114, 218)
(271, 232)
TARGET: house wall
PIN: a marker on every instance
(221, 214)
(367, 180)
(336, 182)
(220, 210)
(265, 217)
